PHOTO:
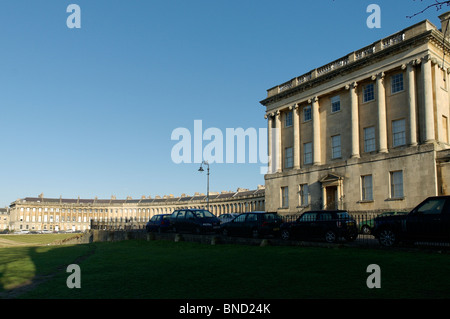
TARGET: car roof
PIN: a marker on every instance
(191, 209)
(327, 211)
(259, 212)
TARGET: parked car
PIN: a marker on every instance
(327, 225)
(428, 222)
(366, 225)
(225, 218)
(254, 224)
(158, 223)
(194, 221)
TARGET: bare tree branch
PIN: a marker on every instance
(437, 4)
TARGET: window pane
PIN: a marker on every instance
(445, 128)
(366, 183)
(397, 83)
(433, 206)
(289, 160)
(336, 146)
(397, 184)
(307, 151)
(368, 93)
(288, 119)
(307, 217)
(304, 194)
(335, 104)
(284, 197)
(398, 133)
(307, 113)
(369, 139)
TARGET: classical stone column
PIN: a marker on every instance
(354, 119)
(381, 99)
(428, 99)
(295, 119)
(316, 130)
(278, 144)
(269, 146)
(410, 80)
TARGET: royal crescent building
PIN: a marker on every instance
(368, 132)
(76, 214)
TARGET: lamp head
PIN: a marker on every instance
(201, 169)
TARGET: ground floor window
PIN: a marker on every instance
(366, 187)
(284, 197)
(396, 184)
(304, 195)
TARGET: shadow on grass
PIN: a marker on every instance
(24, 268)
(177, 270)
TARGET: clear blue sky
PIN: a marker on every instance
(90, 112)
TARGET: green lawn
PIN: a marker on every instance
(162, 269)
(32, 239)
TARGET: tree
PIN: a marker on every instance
(436, 4)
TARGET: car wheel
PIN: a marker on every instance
(387, 238)
(198, 231)
(255, 233)
(285, 234)
(330, 236)
(225, 232)
(366, 230)
(174, 229)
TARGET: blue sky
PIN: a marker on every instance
(90, 112)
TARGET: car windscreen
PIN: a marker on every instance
(272, 217)
(343, 215)
(202, 213)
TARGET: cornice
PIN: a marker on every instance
(433, 36)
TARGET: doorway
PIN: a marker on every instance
(331, 198)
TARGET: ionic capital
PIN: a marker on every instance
(351, 86)
(426, 58)
(314, 99)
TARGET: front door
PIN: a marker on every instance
(331, 193)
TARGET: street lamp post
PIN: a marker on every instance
(207, 183)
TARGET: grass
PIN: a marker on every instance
(31, 239)
(169, 270)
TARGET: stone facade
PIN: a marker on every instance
(40, 213)
(4, 219)
(367, 132)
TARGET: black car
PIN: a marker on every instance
(327, 225)
(158, 223)
(194, 221)
(253, 224)
(427, 222)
